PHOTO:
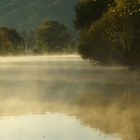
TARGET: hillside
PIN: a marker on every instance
(28, 14)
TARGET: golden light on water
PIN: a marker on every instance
(88, 98)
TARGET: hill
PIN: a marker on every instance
(28, 14)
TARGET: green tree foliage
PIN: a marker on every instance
(53, 37)
(10, 41)
(125, 31)
(114, 38)
(94, 45)
(88, 11)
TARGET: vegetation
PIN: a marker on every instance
(50, 37)
(53, 37)
(88, 11)
(10, 41)
(113, 38)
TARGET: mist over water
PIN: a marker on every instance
(100, 103)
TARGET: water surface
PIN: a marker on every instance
(65, 97)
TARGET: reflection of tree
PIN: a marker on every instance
(110, 105)
(114, 118)
(116, 113)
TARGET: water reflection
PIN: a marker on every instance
(103, 98)
(49, 127)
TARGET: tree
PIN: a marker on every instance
(53, 36)
(114, 39)
(10, 41)
(125, 30)
(94, 44)
(88, 11)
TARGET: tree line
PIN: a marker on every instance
(50, 37)
(109, 31)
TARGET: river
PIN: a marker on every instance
(65, 97)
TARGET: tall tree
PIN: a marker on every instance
(125, 30)
(115, 37)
